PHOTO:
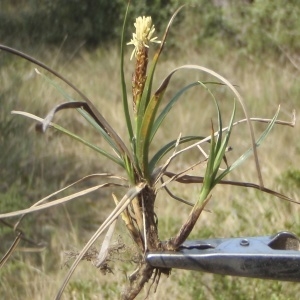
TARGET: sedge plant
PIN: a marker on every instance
(144, 172)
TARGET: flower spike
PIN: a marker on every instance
(141, 39)
(143, 35)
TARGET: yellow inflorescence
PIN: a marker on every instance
(143, 35)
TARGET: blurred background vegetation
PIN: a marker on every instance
(257, 26)
(255, 44)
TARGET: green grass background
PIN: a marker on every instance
(33, 166)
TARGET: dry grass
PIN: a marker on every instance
(235, 211)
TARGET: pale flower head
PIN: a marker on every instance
(143, 35)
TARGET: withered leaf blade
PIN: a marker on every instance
(103, 253)
(67, 105)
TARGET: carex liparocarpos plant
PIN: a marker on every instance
(144, 170)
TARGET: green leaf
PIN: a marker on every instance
(168, 107)
(100, 130)
(76, 137)
(243, 157)
(217, 151)
(123, 82)
(90, 145)
(143, 137)
(222, 148)
(208, 179)
(168, 147)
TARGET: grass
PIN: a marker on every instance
(45, 163)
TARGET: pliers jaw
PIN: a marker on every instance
(267, 257)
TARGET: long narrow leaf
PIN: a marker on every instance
(78, 105)
(99, 129)
(123, 82)
(11, 249)
(168, 107)
(222, 149)
(58, 201)
(188, 179)
(55, 85)
(85, 114)
(216, 157)
(168, 147)
(243, 157)
(144, 133)
(74, 136)
(208, 177)
(106, 175)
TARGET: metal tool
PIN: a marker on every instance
(267, 257)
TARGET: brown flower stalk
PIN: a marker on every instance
(139, 77)
(141, 39)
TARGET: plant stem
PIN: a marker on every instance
(144, 271)
(186, 228)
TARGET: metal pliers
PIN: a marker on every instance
(267, 257)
